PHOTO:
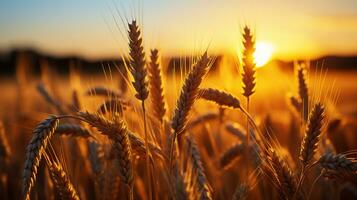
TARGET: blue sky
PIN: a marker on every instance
(87, 27)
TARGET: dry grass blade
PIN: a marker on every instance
(231, 154)
(338, 162)
(312, 134)
(63, 185)
(137, 62)
(248, 63)
(34, 152)
(118, 134)
(72, 130)
(202, 182)
(156, 86)
(189, 93)
(219, 97)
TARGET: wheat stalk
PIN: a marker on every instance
(5, 151)
(41, 135)
(138, 70)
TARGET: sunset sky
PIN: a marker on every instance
(296, 29)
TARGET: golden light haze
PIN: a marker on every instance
(296, 29)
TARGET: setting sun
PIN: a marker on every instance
(263, 53)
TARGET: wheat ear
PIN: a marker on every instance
(74, 130)
(62, 183)
(237, 130)
(156, 86)
(209, 116)
(138, 146)
(113, 106)
(137, 65)
(338, 162)
(49, 98)
(312, 134)
(286, 181)
(241, 192)
(248, 76)
(41, 135)
(295, 103)
(231, 154)
(188, 95)
(219, 97)
(118, 134)
(102, 91)
(202, 182)
(303, 92)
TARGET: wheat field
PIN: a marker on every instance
(222, 129)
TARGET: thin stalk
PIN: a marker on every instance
(247, 137)
(303, 174)
(131, 193)
(313, 185)
(147, 150)
(248, 132)
(301, 180)
(172, 152)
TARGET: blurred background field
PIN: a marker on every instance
(69, 47)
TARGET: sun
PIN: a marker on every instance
(263, 53)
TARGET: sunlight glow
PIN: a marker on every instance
(263, 53)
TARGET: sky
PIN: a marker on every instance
(95, 29)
